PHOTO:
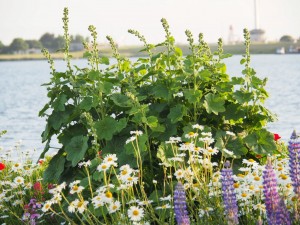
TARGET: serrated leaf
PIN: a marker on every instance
(56, 119)
(76, 149)
(59, 103)
(43, 110)
(242, 96)
(178, 51)
(214, 103)
(54, 169)
(121, 100)
(94, 75)
(108, 126)
(237, 80)
(107, 87)
(165, 152)
(261, 142)
(152, 121)
(192, 95)
(176, 113)
(104, 60)
(160, 91)
(86, 103)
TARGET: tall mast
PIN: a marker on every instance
(256, 19)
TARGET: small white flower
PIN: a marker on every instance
(131, 139)
(111, 159)
(85, 164)
(47, 206)
(230, 133)
(19, 180)
(168, 198)
(81, 206)
(16, 166)
(103, 167)
(72, 206)
(226, 151)
(135, 213)
(179, 94)
(137, 132)
(179, 174)
(165, 206)
(197, 126)
(114, 206)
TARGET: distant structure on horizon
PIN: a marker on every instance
(232, 37)
(257, 35)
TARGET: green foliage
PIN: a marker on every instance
(18, 44)
(96, 108)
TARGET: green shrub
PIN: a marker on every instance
(94, 109)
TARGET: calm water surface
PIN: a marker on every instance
(22, 96)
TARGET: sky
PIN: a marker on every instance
(30, 19)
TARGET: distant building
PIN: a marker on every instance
(257, 35)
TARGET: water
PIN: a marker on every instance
(22, 96)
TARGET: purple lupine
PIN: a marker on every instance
(282, 214)
(180, 208)
(229, 195)
(277, 213)
(294, 162)
(31, 214)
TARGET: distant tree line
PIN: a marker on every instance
(47, 40)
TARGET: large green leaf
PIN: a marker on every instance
(160, 91)
(121, 100)
(57, 118)
(86, 103)
(214, 103)
(59, 103)
(261, 142)
(242, 96)
(108, 126)
(192, 95)
(165, 152)
(76, 149)
(55, 168)
(176, 113)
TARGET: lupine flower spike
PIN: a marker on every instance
(229, 196)
(180, 208)
(277, 213)
(294, 164)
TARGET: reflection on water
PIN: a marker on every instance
(22, 95)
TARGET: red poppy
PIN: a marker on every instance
(41, 161)
(276, 137)
(37, 186)
(2, 166)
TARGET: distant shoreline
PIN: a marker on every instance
(134, 51)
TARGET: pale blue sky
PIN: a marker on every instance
(31, 18)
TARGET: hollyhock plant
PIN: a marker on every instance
(229, 196)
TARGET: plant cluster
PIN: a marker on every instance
(196, 189)
(149, 141)
(94, 109)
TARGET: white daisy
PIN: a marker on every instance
(19, 180)
(135, 213)
(114, 206)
